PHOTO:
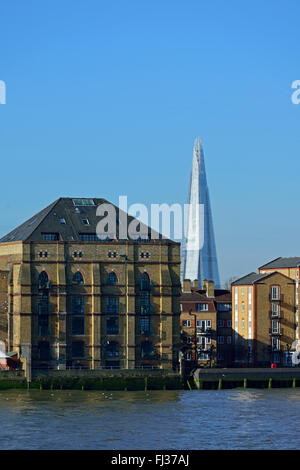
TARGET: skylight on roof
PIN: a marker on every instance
(83, 202)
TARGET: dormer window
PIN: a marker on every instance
(83, 202)
(85, 221)
(62, 220)
(50, 237)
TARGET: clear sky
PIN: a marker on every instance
(105, 98)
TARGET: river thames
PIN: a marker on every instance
(186, 420)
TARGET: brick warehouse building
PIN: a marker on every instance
(206, 324)
(70, 300)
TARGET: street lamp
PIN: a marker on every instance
(125, 315)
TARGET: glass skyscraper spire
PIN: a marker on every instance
(199, 260)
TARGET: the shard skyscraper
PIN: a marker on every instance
(199, 256)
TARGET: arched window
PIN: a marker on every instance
(145, 282)
(112, 279)
(77, 278)
(43, 280)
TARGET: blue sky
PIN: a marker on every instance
(106, 98)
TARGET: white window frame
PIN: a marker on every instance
(275, 292)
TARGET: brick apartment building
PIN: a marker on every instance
(206, 325)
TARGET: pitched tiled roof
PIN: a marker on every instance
(278, 263)
(65, 218)
(248, 279)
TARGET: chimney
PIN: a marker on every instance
(196, 284)
(186, 285)
(209, 287)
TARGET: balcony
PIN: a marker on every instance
(276, 331)
(203, 331)
(275, 314)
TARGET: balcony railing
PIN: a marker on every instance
(275, 314)
(203, 331)
(276, 331)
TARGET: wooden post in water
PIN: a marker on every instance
(294, 383)
(146, 383)
(220, 384)
(245, 383)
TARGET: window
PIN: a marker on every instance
(43, 307)
(243, 307)
(43, 325)
(275, 343)
(243, 324)
(112, 305)
(229, 323)
(77, 349)
(275, 326)
(186, 323)
(89, 237)
(203, 324)
(220, 339)
(145, 282)
(85, 221)
(220, 323)
(112, 254)
(43, 254)
(228, 339)
(243, 290)
(44, 351)
(77, 278)
(77, 254)
(112, 279)
(201, 307)
(78, 325)
(145, 305)
(147, 350)
(78, 305)
(50, 237)
(112, 326)
(144, 325)
(203, 356)
(224, 307)
(275, 310)
(83, 202)
(275, 293)
(62, 220)
(188, 356)
(43, 280)
(145, 255)
(112, 349)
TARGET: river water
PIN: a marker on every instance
(224, 419)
